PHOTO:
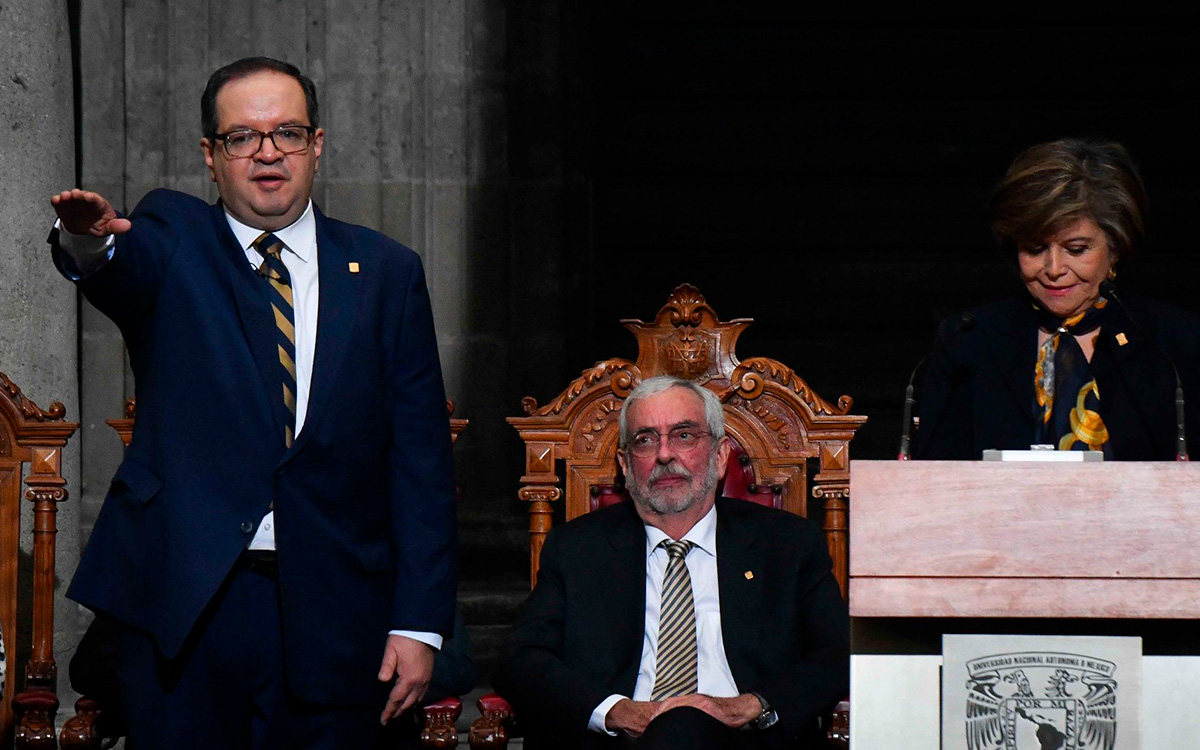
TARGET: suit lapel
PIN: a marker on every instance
(254, 311)
(741, 570)
(625, 577)
(1113, 361)
(1110, 354)
(336, 313)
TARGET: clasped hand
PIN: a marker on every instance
(632, 717)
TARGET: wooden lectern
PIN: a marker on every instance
(1113, 546)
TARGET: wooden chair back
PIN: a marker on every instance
(31, 446)
(782, 426)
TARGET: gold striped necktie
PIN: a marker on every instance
(675, 664)
(280, 281)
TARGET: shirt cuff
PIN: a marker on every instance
(429, 639)
(87, 254)
(596, 723)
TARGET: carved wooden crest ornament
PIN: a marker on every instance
(686, 339)
(772, 413)
(28, 410)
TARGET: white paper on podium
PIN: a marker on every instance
(1043, 456)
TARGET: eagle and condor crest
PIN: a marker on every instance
(1041, 693)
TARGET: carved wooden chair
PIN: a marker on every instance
(32, 440)
(83, 732)
(789, 443)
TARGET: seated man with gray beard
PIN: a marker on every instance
(682, 619)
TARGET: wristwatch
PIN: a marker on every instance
(768, 717)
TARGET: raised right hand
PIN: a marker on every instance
(85, 212)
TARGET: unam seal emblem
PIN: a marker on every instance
(1041, 700)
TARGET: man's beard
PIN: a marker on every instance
(674, 499)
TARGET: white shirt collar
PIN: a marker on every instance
(703, 534)
(299, 236)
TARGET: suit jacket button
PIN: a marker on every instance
(247, 527)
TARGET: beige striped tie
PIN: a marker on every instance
(675, 665)
(279, 294)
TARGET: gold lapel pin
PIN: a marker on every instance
(1121, 339)
(749, 575)
(353, 266)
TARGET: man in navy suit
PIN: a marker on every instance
(680, 619)
(278, 544)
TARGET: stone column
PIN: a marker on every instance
(38, 309)
(416, 146)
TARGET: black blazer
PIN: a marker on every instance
(579, 638)
(978, 391)
(364, 497)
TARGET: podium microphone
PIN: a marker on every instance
(1109, 290)
(966, 322)
(905, 453)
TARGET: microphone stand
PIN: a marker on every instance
(966, 322)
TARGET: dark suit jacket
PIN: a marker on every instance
(579, 638)
(363, 499)
(978, 391)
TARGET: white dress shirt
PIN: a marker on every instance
(715, 677)
(300, 258)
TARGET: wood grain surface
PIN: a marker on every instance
(983, 539)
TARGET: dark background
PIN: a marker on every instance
(826, 174)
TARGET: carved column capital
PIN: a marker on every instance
(831, 491)
(539, 494)
(46, 495)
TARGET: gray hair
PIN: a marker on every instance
(714, 414)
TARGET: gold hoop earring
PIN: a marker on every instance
(1112, 273)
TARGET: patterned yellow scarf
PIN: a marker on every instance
(1068, 400)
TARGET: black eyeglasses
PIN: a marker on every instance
(290, 139)
(681, 440)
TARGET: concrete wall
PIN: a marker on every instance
(38, 311)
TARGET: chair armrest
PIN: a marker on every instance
(80, 732)
(490, 730)
(839, 726)
(438, 730)
(34, 712)
(453, 705)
